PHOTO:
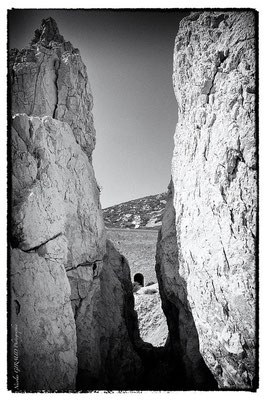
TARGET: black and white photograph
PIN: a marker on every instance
(132, 195)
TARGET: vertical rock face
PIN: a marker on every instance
(72, 310)
(107, 327)
(183, 338)
(214, 179)
(43, 333)
(54, 191)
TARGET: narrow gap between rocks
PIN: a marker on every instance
(139, 248)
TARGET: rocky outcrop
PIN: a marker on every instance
(49, 79)
(215, 194)
(72, 308)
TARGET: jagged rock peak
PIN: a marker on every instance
(49, 78)
(47, 33)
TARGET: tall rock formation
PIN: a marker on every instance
(210, 276)
(72, 309)
(72, 319)
(49, 79)
(183, 339)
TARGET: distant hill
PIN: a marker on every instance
(145, 212)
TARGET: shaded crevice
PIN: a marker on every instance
(226, 260)
(244, 40)
(15, 243)
(56, 70)
(223, 193)
(183, 345)
(183, 341)
(216, 20)
(17, 306)
(92, 264)
(233, 158)
(35, 88)
(232, 216)
(77, 307)
(208, 87)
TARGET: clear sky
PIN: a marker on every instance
(129, 59)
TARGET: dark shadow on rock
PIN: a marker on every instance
(183, 341)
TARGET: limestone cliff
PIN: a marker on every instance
(72, 309)
(210, 232)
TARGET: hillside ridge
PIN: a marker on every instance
(144, 212)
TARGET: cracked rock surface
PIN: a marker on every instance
(54, 190)
(183, 340)
(57, 225)
(43, 324)
(73, 324)
(106, 325)
(72, 305)
(49, 78)
(215, 192)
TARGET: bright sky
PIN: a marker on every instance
(129, 57)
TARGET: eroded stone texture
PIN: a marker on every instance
(54, 190)
(57, 224)
(215, 193)
(183, 337)
(43, 331)
(49, 79)
(106, 325)
(58, 233)
(71, 299)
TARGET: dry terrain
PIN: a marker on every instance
(139, 248)
(145, 212)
